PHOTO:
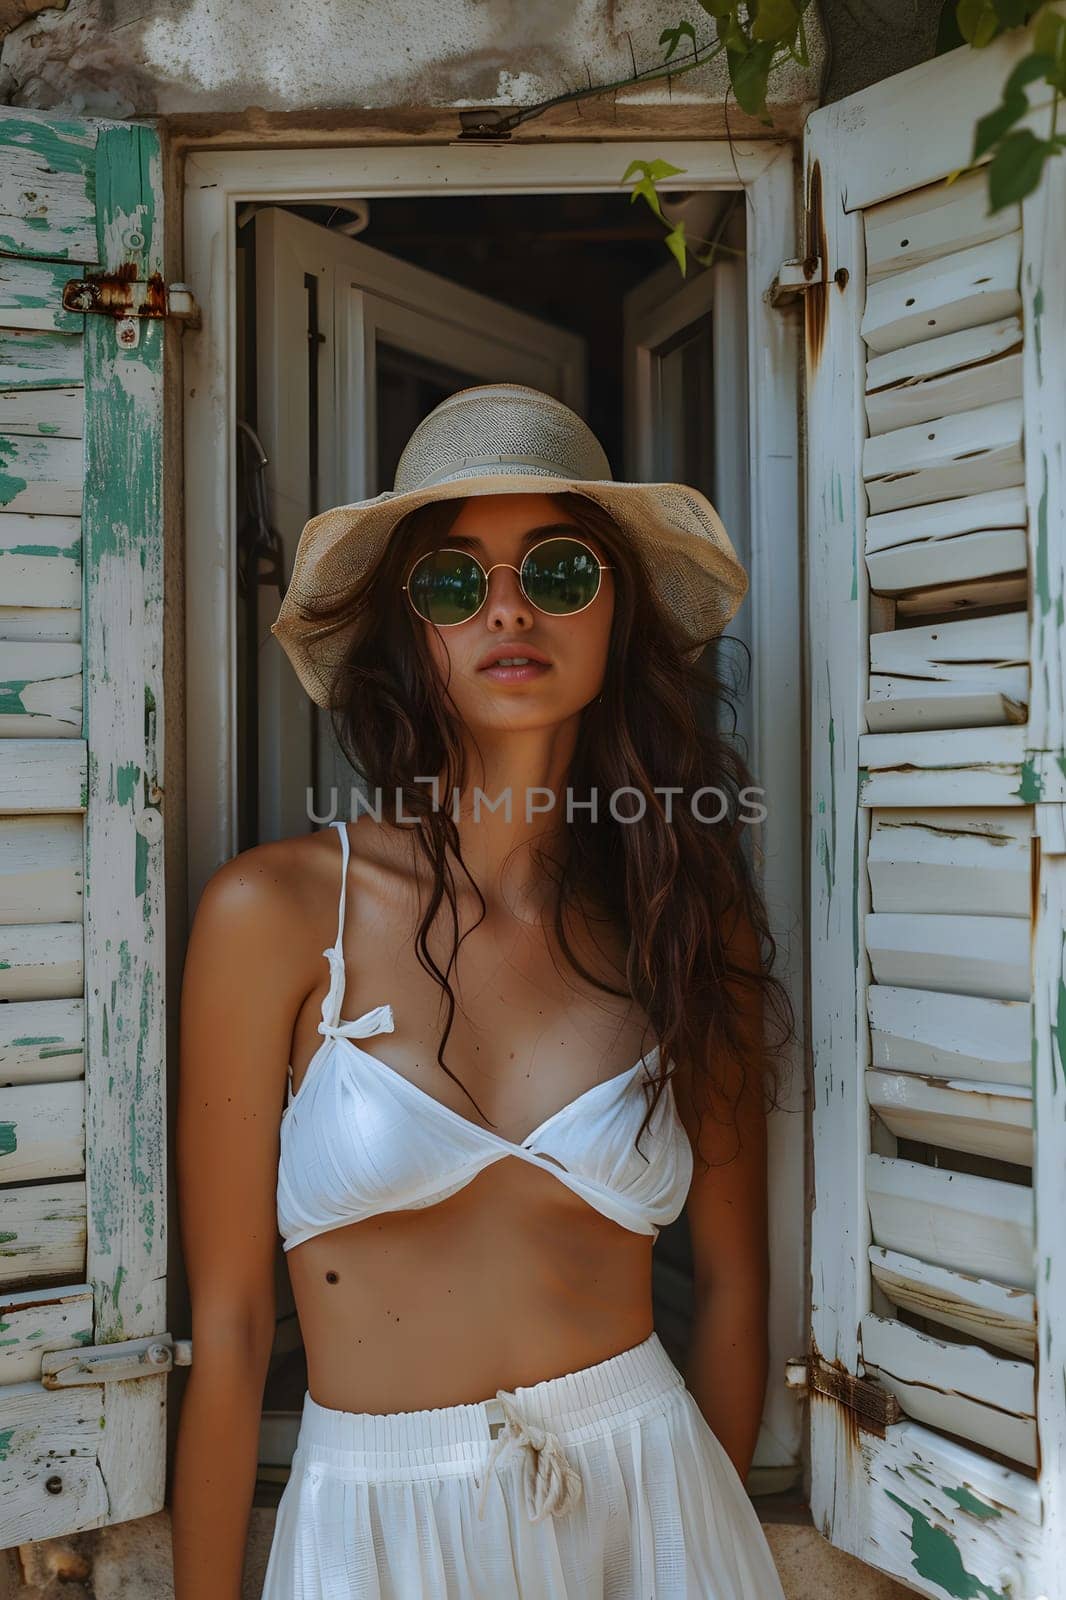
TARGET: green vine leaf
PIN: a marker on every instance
(675, 243)
(992, 127)
(750, 74)
(1049, 41)
(645, 190)
(650, 174)
(1016, 167)
(775, 20)
(673, 37)
(978, 21)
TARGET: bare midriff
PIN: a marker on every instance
(514, 1278)
(509, 1281)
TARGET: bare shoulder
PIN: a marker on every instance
(263, 882)
(269, 910)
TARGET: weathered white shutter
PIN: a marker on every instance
(936, 347)
(82, 1094)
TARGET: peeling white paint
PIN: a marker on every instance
(117, 57)
(136, 379)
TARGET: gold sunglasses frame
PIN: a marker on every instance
(486, 573)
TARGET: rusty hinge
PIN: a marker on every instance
(128, 299)
(111, 1363)
(874, 1406)
(793, 279)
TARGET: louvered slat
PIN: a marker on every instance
(950, 860)
(992, 1313)
(939, 377)
(984, 1119)
(958, 1387)
(949, 1035)
(964, 955)
(953, 1219)
(927, 223)
(960, 290)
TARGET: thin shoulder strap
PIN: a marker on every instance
(334, 953)
(342, 829)
(377, 1020)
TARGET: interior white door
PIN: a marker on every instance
(353, 348)
(687, 421)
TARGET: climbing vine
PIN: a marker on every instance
(758, 37)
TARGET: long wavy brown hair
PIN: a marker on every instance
(678, 889)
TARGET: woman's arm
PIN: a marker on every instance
(241, 991)
(727, 1211)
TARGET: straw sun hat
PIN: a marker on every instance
(505, 438)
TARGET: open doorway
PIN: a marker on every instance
(355, 320)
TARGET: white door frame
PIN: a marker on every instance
(216, 181)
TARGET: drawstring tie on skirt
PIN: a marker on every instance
(551, 1484)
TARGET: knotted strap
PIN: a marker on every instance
(551, 1484)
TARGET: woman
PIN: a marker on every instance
(541, 919)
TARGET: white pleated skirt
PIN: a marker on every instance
(602, 1484)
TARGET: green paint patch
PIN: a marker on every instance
(1031, 787)
(11, 692)
(49, 550)
(29, 1040)
(6, 1436)
(937, 1559)
(11, 485)
(140, 865)
(126, 779)
(65, 146)
(969, 1502)
(8, 1139)
(11, 246)
(48, 427)
(8, 1238)
(83, 1336)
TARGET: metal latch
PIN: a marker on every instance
(794, 278)
(111, 1363)
(873, 1407)
(129, 299)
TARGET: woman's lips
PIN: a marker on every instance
(516, 674)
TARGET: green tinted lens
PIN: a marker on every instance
(561, 575)
(446, 586)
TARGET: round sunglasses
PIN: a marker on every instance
(559, 575)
